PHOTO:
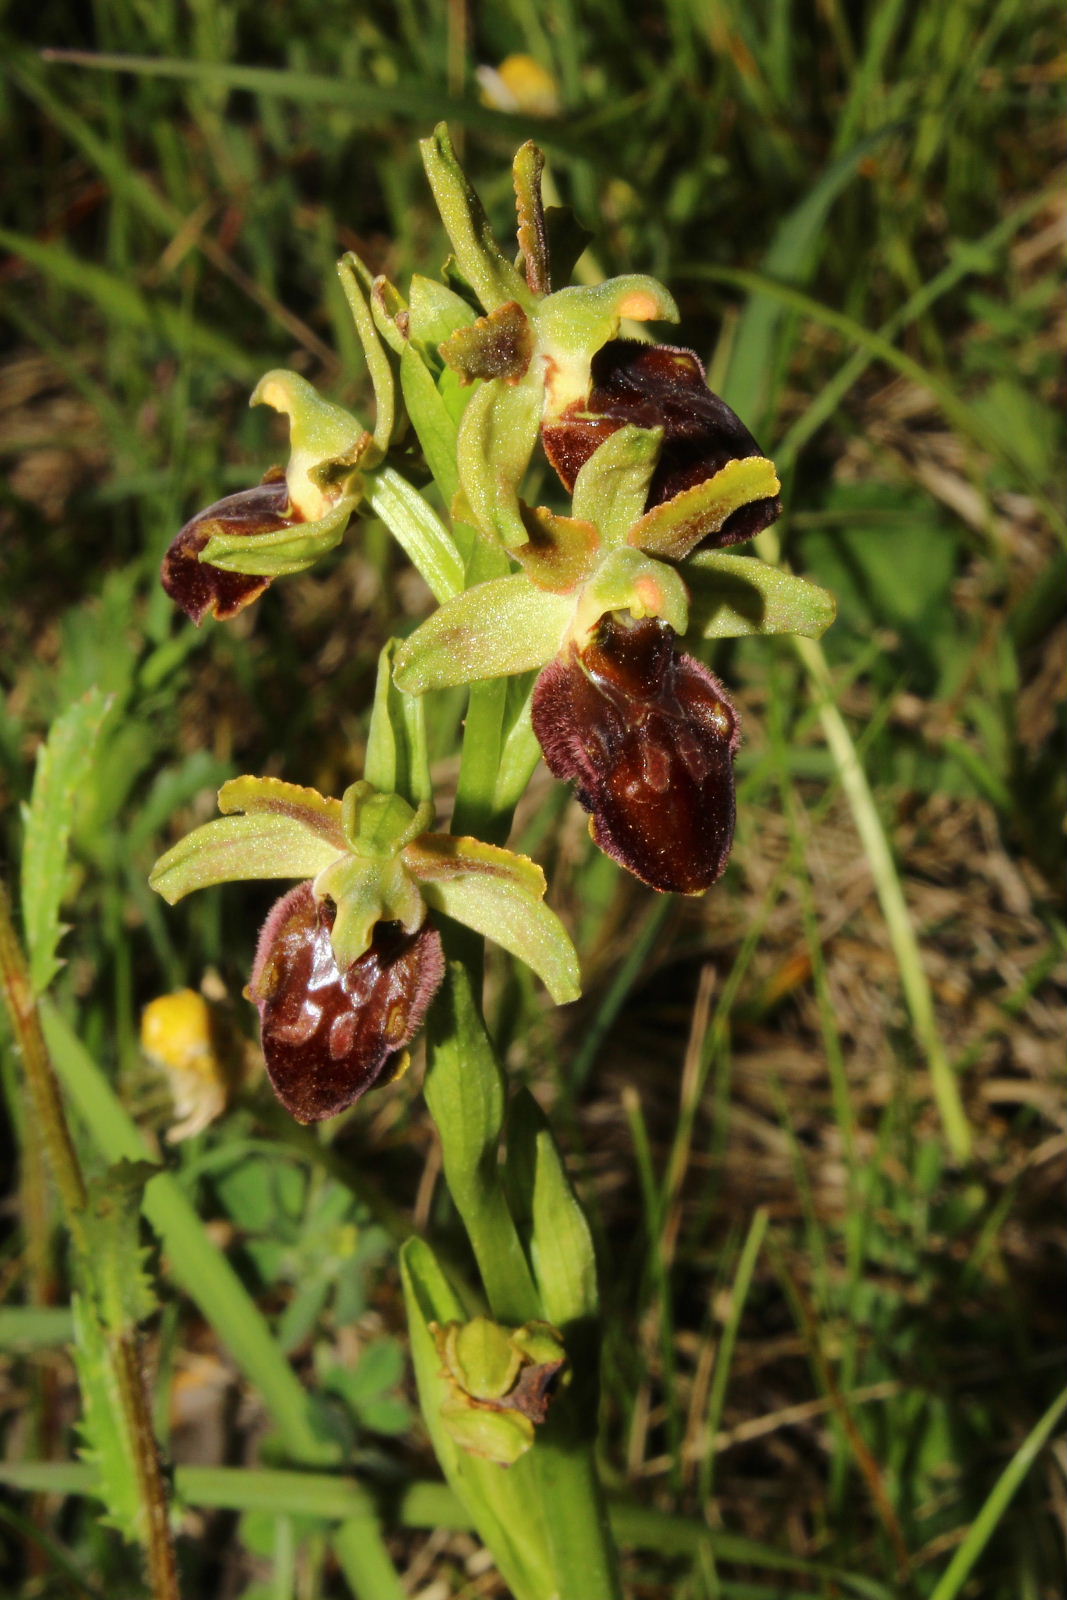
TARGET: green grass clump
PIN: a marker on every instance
(818, 1112)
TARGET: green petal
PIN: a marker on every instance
(498, 894)
(737, 595)
(496, 440)
(678, 526)
(313, 810)
(286, 550)
(498, 345)
(259, 845)
(561, 551)
(506, 625)
(612, 487)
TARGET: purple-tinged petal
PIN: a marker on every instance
(648, 736)
(203, 590)
(328, 1035)
(660, 386)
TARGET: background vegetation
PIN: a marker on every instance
(833, 1319)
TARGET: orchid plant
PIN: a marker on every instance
(568, 628)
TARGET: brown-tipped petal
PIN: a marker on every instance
(648, 736)
(328, 1035)
(202, 590)
(660, 386)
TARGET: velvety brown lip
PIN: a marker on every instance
(328, 1035)
(648, 736)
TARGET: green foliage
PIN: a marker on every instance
(887, 167)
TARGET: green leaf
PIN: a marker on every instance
(496, 440)
(557, 1234)
(737, 595)
(107, 1444)
(506, 625)
(418, 530)
(677, 526)
(612, 487)
(500, 895)
(432, 421)
(60, 777)
(263, 845)
(397, 759)
(479, 258)
(114, 1270)
(285, 550)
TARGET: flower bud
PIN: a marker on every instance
(649, 736)
(502, 1381)
(330, 1035)
(660, 386)
(203, 590)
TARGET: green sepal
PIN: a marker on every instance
(496, 440)
(286, 832)
(629, 580)
(561, 551)
(239, 847)
(435, 312)
(504, 1505)
(575, 322)
(397, 760)
(498, 345)
(378, 364)
(284, 551)
(503, 626)
(733, 596)
(612, 487)
(322, 435)
(501, 895)
(677, 526)
(377, 825)
(479, 258)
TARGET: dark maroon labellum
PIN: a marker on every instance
(328, 1035)
(659, 386)
(203, 590)
(648, 736)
